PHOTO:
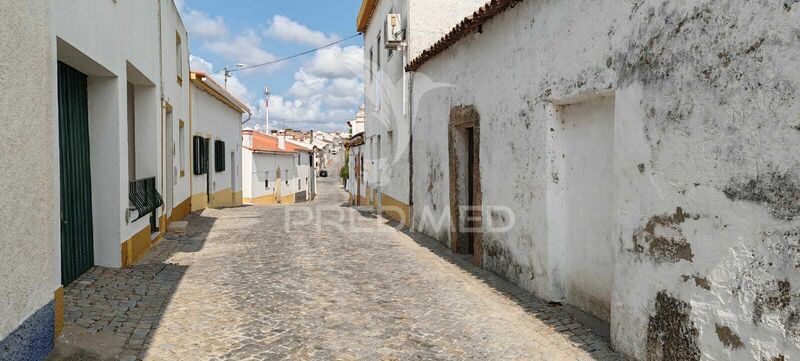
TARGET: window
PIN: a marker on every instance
(182, 147)
(200, 150)
(266, 180)
(179, 57)
(371, 59)
(298, 185)
(298, 159)
(287, 177)
(378, 63)
(219, 156)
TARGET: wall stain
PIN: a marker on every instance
(701, 282)
(662, 238)
(729, 338)
(775, 189)
(671, 334)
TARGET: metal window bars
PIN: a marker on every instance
(144, 197)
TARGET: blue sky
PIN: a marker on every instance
(319, 91)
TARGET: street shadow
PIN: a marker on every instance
(581, 329)
(112, 314)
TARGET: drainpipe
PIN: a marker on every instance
(410, 150)
(161, 109)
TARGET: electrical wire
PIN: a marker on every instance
(293, 56)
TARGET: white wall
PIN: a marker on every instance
(100, 40)
(176, 94)
(264, 166)
(213, 119)
(29, 267)
(705, 171)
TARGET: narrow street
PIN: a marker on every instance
(242, 286)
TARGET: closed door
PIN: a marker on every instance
(77, 253)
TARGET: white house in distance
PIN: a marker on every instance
(357, 125)
(216, 128)
(275, 171)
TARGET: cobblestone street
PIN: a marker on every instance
(242, 285)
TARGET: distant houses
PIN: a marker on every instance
(275, 171)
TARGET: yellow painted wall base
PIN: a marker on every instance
(395, 209)
(223, 198)
(288, 199)
(199, 201)
(134, 248)
(266, 200)
(181, 210)
(237, 199)
(59, 311)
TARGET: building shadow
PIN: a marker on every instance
(112, 314)
(581, 329)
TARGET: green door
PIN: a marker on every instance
(77, 254)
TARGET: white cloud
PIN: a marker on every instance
(338, 62)
(287, 29)
(201, 25)
(244, 48)
(197, 63)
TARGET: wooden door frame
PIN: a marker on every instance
(461, 118)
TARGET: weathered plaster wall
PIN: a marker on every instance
(384, 88)
(29, 214)
(705, 168)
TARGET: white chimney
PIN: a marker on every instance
(282, 142)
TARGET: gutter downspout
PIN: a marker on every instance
(410, 151)
(162, 110)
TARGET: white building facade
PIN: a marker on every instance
(620, 158)
(276, 171)
(216, 146)
(387, 126)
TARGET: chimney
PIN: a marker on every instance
(247, 140)
(282, 142)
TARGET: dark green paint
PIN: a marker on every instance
(77, 253)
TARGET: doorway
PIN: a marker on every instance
(587, 164)
(77, 249)
(466, 235)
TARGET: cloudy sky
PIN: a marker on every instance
(319, 91)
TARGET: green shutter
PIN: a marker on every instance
(77, 253)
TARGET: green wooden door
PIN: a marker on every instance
(77, 253)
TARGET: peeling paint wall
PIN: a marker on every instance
(706, 172)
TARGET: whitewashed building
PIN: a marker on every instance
(387, 127)
(275, 171)
(216, 144)
(634, 159)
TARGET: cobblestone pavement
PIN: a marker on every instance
(244, 285)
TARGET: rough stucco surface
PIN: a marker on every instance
(706, 171)
(28, 213)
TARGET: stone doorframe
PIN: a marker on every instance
(463, 117)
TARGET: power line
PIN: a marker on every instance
(294, 56)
